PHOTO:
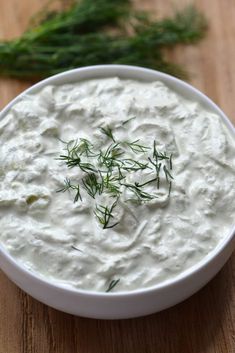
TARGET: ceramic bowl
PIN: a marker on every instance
(144, 300)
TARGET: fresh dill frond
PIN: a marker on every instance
(139, 193)
(133, 165)
(87, 167)
(108, 132)
(85, 147)
(75, 248)
(147, 182)
(128, 120)
(112, 284)
(167, 174)
(104, 215)
(121, 176)
(73, 159)
(75, 150)
(170, 161)
(110, 157)
(159, 155)
(156, 165)
(111, 184)
(60, 42)
(91, 185)
(78, 194)
(136, 147)
(169, 191)
(113, 189)
(68, 185)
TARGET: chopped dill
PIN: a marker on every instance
(139, 193)
(110, 157)
(128, 120)
(169, 191)
(75, 248)
(167, 174)
(170, 161)
(91, 184)
(147, 182)
(85, 147)
(112, 284)
(68, 185)
(133, 165)
(108, 132)
(136, 147)
(104, 215)
(107, 169)
(112, 184)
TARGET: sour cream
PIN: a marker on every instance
(62, 240)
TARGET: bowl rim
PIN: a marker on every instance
(122, 70)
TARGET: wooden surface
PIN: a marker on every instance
(202, 324)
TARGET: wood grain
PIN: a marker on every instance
(202, 324)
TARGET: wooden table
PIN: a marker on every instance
(202, 324)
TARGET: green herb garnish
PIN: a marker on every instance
(68, 185)
(167, 174)
(91, 184)
(112, 284)
(106, 172)
(111, 183)
(133, 165)
(74, 151)
(80, 36)
(139, 193)
(110, 157)
(108, 132)
(128, 120)
(104, 215)
(75, 248)
(136, 147)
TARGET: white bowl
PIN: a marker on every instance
(123, 304)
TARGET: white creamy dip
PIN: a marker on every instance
(62, 240)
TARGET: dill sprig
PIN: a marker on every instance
(104, 215)
(170, 161)
(75, 248)
(158, 155)
(147, 182)
(169, 191)
(111, 183)
(74, 151)
(167, 174)
(68, 185)
(136, 147)
(85, 147)
(112, 284)
(60, 41)
(141, 195)
(108, 132)
(128, 120)
(130, 164)
(91, 185)
(110, 157)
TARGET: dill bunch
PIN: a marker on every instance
(85, 16)
(95, 32)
